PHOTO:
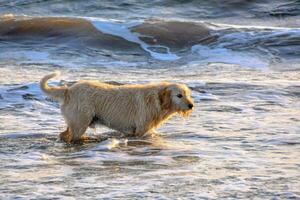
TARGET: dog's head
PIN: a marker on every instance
(177, 98)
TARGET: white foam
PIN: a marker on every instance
(110, 144)
(220, 26)
(122, 30)
(247, 37)
(228, 56)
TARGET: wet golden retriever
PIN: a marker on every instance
(131, 109)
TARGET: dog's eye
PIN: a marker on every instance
(179, 95)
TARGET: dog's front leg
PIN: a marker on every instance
(66, 136)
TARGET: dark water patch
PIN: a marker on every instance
(269, 104)
(197, 89)
(284, 9)
(295, 119)
(137, 142)
(23, 87)
(261, 108)
(28, 96)
(293, 90)
(145, 152)
(291, 143)
(281, 141)
(45, 27)
(133, 163)
(174, 34)
(186, 159)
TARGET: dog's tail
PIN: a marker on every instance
(56, 93)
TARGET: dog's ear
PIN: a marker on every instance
(165, 98)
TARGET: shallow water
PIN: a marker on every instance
(240, 59)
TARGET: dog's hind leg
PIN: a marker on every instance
(78, 123)
(77, 130)
(67, 138)
(78, 120)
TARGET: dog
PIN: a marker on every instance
(135, 110)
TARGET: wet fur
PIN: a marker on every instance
(131, 109)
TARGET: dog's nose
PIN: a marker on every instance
(190, 106)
